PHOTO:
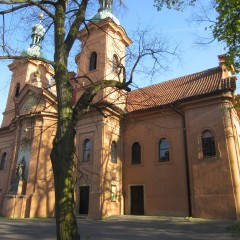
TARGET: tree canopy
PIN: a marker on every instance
(225, 28)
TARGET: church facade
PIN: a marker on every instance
(168, 149)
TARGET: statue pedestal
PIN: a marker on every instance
(20, 187)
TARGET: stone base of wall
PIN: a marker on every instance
(14, 206)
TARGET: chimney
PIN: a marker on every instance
(221, 59)
(226, 73)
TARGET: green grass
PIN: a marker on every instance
(234, 228)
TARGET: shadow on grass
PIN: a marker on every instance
(234, 228)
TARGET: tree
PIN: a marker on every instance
(66, 18)
(225, 28)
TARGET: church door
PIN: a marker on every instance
(83, 200)
(137, 200)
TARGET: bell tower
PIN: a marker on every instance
(34, 72)
(104, 43)
(102, 58)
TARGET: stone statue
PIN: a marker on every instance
(20, 171)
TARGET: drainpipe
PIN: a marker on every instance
(186, 160)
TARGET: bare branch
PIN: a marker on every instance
(149, 45)
(43, 8)
(90, 92)
(13, 9)
(79, 19)
(84, 76)
(12, 1)
(31, 3)
(28, 58)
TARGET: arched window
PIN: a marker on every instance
(87, 150)
(163, 150)
(93, 61)
(114, 152)
(3, 161)
(115, 63)
(136, 153)
(17, 90)
(208, 144)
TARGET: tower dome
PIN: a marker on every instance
(38, 32)
(105, 11)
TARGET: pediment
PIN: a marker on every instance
(32, 99)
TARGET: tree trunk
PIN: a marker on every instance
(62, 157)
(62, 154)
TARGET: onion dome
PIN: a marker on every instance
(38, 32)
(105, 11)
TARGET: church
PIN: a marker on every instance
(171, 148)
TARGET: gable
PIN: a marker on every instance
(33, 99)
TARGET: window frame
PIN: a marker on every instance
(114, 193)
(3, 161)
(115, 63)
(114, 152)
(17, 89)
(93, 61)
(160, 159)
(206, 153)
(85, 150)
(136, 163)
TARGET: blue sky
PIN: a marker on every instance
(170, 23)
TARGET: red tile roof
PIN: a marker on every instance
(169, 92)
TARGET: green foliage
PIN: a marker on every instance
(236, 103)
(234, 228)
(173, 4)
(226, 28)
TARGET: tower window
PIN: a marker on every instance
(114, 152)
(93, 61)
(208, 144)
(87, 150)
(115, 63)
(136, 153)
(163, 150)
(17, 90)
(3, 161)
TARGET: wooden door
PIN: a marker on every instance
(137, 200)
(83, 200)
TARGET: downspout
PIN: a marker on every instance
(186, 160)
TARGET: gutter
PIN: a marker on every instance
(186, 160)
